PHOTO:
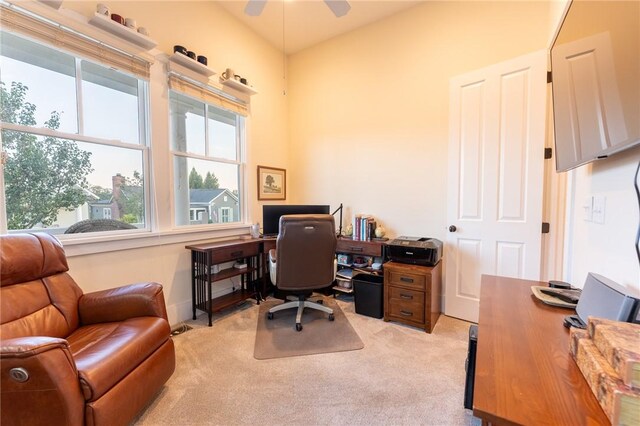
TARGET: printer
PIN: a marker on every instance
(419, 251)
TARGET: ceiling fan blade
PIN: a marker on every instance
(338, 7)
(255, 7)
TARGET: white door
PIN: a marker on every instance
(496, 154)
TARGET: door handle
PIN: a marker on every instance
(452, 228)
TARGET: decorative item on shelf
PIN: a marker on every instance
(380, 231)
(180, 49)
(119, 19)
(191, 54)
(348, 230)
(243, 80)
(103, 9)
(130, 23)
(228, 74)
(143, 31)
(202, 59)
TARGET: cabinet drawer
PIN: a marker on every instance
(407, 279)
(365, 248)
(225, 254)
(405, 295)
(407, 310)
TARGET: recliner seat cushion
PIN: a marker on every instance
(106, 353)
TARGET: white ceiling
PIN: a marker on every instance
(308, 22)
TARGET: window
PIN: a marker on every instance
(74, 134)
(226, 214)
(206, 143)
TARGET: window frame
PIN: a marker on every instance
(142, 145)
(240, 162)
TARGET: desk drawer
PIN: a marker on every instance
(404, 295)
(406, 279)
(407, 310)
(226, 254)
(364, 248)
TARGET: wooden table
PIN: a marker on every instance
(524, 372)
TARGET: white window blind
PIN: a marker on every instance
(60, 37)
(205, 94)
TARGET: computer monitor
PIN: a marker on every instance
(271, 215)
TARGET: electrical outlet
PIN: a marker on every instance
(587, 209)
(599, 202)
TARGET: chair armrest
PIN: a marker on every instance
(121, 303)
(272, 266)
(24, 347)
(39, 382)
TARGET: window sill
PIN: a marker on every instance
(93, 243)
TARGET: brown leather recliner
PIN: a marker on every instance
(69, 358)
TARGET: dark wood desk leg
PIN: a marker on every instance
(255, 275)
(210, 287)
(193, 282)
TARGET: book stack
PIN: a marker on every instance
(608, 355)
(364, 227)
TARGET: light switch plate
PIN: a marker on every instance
(599, 203)
(587, 209)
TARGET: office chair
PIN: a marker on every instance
(303, 260)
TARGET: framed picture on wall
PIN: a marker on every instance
(272, 183)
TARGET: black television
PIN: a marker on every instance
(595, 65)
(271, 214)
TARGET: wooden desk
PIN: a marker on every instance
(524, 372)
(205, 256)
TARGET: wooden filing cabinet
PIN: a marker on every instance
(412, 294)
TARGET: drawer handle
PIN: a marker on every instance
(406, 296)
(406, 313)
(406, 279)
(236, 253)
(357, 249)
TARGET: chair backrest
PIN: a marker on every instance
(305, 251)
(37, 296)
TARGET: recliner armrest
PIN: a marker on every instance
(119, 304)
(39, 382)
(24, 347)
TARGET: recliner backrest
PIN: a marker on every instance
(305, 252)
(37, 296)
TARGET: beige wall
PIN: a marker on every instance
(369, 110)
(209, 30)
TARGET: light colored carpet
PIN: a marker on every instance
(403, 376)
(278, 338)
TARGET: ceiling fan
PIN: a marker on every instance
(338, 7)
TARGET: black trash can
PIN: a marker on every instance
(470, 367)
(367, 291)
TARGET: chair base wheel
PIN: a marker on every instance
(331, 317)
(298, 327)
(269, 315)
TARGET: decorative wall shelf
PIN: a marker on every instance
(192, 64)
(52, 3)
(238, 86)
(126, 33)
